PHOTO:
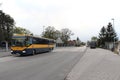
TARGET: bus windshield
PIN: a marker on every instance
(20, 41)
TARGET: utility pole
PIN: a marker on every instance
(43, 30)
(114, 30)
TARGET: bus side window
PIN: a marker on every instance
(44, 41)
(30, 40)
(35, 41)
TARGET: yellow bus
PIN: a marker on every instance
(24, 45)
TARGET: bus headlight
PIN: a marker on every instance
(11, 51)
(24, 51)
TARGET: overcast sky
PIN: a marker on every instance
(84, 17)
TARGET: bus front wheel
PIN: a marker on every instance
(33, 52)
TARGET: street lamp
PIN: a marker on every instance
(114, 30)
(113, 22)
(1, 5)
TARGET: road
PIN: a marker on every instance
(96, 64)
(53, 65)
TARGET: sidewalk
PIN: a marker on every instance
(4, 53)
(96, 64)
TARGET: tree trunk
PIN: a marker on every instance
(6, 45)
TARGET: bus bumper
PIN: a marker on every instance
(24, 52)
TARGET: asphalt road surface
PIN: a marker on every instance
(53, 65)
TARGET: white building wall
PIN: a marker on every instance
(109, 45)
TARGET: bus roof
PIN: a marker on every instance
(31, 36)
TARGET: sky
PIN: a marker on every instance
(84, 18)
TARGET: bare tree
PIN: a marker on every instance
(49, 32)
(66, 34)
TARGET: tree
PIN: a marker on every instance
(66, 34)
(102, 37)
(110, 33)
(57, 34)
(52, 33)
(94, 38)
(1, 35)
(20, 30)
(6, 27)
(49, 32)
(107, 35)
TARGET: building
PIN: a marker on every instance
(117, 47)
(59, 42)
